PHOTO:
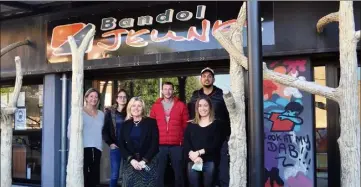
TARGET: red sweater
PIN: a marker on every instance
(170, 133)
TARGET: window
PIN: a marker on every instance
(150, 90)
(27, 137)
(321, 128)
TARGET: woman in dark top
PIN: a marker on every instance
(139, 145)
(114, 118)
(202, 143)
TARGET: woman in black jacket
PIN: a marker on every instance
(139, 145)
(114, 119)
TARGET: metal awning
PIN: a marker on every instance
(17, 9)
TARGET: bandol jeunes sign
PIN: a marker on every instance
(184, 28)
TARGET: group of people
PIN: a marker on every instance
(194, 137)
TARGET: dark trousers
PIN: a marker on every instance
(176, 157)
(223, 167)
(207, 173)
(91, 166)
(115, 161)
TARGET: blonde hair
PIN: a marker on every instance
(131, 102)
(197, 117)
(88, 92)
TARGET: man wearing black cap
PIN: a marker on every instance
(221, 113)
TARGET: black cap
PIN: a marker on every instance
(207, 69)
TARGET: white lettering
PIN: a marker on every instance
(108, 24)
(184, 15)
(126, 23)
(201, 11)
(166, 17)
(145, 20)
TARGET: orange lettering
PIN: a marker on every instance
(170, 35)
(218, 25)
(192, 32)
(117, 39)
(154, 36)
(134, 40)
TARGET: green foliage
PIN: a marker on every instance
(148, 89)
(7, 90)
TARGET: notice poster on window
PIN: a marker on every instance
(20, 119)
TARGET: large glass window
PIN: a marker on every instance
(321, 129)
(27, 137)
(150, 90)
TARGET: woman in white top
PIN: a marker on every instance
(93, 121)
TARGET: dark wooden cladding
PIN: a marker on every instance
(294, 23)
(33, 55)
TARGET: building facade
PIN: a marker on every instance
(139, 45)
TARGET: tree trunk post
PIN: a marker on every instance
(75, 177)
(13, 46)
(345, 94)
(349, 140)
(235, 102)
(7, 116)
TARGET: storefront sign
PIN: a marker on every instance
(288, 129)
(186, 26)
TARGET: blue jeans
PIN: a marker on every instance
(208, 172)
(176, 157)
(115, 161)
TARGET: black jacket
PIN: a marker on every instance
(149, 141)
(220, 109)
(109, 128)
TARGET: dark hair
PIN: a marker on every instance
(168, 83)
(294, 106)
(126, 94)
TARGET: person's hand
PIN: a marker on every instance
(136, 165)
(113, 146)
(198, 160)
(142, 164)
(193, 155)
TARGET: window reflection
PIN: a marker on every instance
(29, 104)
(149, 91)
(27, 124)
(27, 156)
(321, 128)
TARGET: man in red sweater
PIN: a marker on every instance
(171, 115)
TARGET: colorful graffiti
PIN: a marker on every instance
(288, 132)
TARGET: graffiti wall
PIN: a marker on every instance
(288, 131)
